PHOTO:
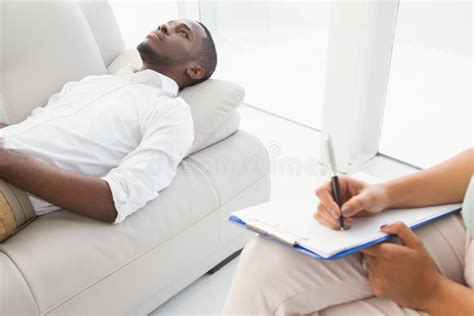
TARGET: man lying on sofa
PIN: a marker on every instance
(104, 146)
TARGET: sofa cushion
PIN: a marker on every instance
(213, 104)
(43, 46)
(222, 163)
(12, 281)
(61, 254)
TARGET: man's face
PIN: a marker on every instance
(173, 43)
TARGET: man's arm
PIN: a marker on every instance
(86, 195)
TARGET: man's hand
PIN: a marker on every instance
(404, 273)
(360, 199)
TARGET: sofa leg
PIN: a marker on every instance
(224, 262)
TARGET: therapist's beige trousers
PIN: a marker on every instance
(272, 279)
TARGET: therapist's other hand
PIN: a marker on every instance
(405, 274)
(359, 199)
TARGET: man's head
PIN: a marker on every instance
(182, 50)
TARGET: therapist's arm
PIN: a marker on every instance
(460, 299)
(442, 184)
(82, 194)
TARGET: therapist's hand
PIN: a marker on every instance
(359, 199)
(405, 274)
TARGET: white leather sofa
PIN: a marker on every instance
(65, 263)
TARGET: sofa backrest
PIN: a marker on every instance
(43, 46)
(104, 27)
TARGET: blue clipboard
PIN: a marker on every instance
(237, 221)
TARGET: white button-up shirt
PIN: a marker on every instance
(129, 129)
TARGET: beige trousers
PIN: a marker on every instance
(272, 279)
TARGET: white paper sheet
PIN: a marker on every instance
(294, 218)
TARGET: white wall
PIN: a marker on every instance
(439, 25)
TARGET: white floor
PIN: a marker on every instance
(293, 151)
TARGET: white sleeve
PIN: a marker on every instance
(167, 139)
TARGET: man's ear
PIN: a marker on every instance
(196, 72)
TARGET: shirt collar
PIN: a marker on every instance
(149, 77)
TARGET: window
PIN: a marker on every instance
(137, 19)
(276, 50)
(428, 107)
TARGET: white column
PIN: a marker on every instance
(358, 62)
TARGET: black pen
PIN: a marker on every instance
(336, 190)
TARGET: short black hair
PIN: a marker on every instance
(207, 56)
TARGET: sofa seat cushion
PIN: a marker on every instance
(213, 103)
(12, 281)
(62, 253)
